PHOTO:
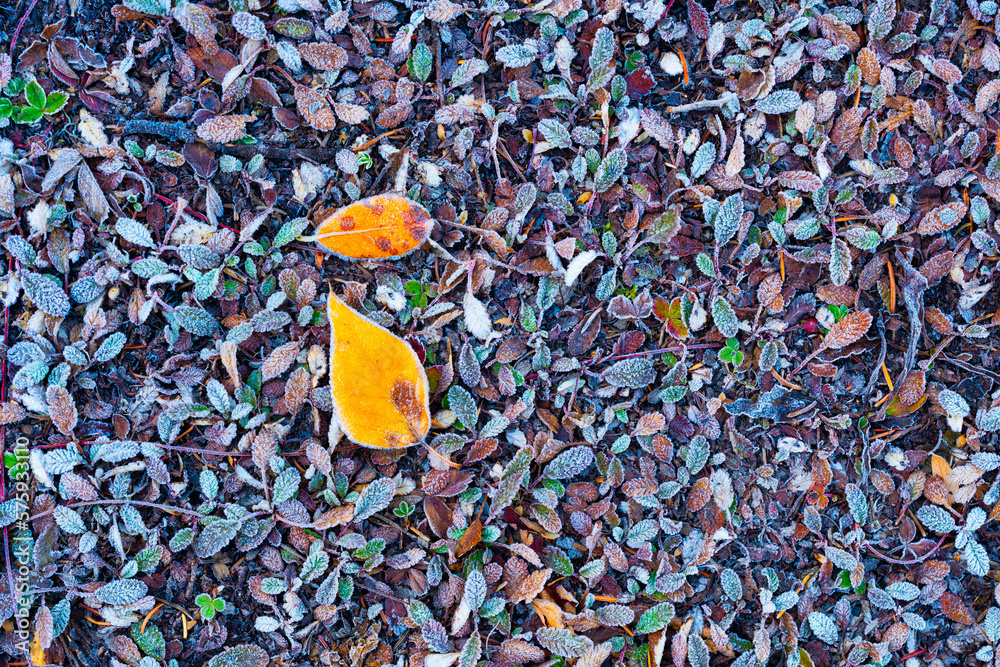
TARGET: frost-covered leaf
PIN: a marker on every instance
(611, 168)
(848, 330)
(69, 521)
(953, 404)
(779, 102)
(517, 55)
(215, 536)
(725, 317)
(563, 642)
(570, 462)
(110, 347)
(375, 498)
(823, 627)
(134, 232)
(703, 159)
(244, 655)
(464, 406)
(47, 294)
(468, 71)
(632, 373)
(420, 62)
(286, 485)
(936, 518)
(122, 592)
(655, 618)
(223, 129)
(840, 262)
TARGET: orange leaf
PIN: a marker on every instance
(940, 468)
(380, 227)
(377, 383)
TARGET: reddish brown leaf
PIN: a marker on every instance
(315, 109)
(323, 55)
(699, 495)
(223, 129)
(699, 19)
(955, 608)
(848, 330)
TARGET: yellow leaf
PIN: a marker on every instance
(940, 468)
(37, 652)
(378, 385)
(380, 227)
(549, 612)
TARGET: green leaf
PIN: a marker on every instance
(290, 231)
(725, 317)
(150, 641)
(35, 95)
(195, 320)
(28, 115)
(6, 108)
(464, 406)
(55, 102)
(14, 86)
(655, 618)
(610, 169)
(421, 61)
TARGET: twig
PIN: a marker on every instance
(889, 559)
(703, 104)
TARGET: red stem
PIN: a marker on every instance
(17, 32)
(188, 209)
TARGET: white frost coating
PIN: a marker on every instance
(579, 263)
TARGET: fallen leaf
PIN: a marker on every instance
(385, 226)
(377, 384)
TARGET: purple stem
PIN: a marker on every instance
(889, 559)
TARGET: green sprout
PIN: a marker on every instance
(838, 312)
(365, 159)
(209, 605)
(419, 294)
(731, 352)
(404, 510)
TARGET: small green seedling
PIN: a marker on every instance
(38, 103)
(404, 510)
(731, 352)
(209, 605)
(838, 312)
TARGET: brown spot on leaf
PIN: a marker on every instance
(347, 223)
(417, 222)
(384, 244)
